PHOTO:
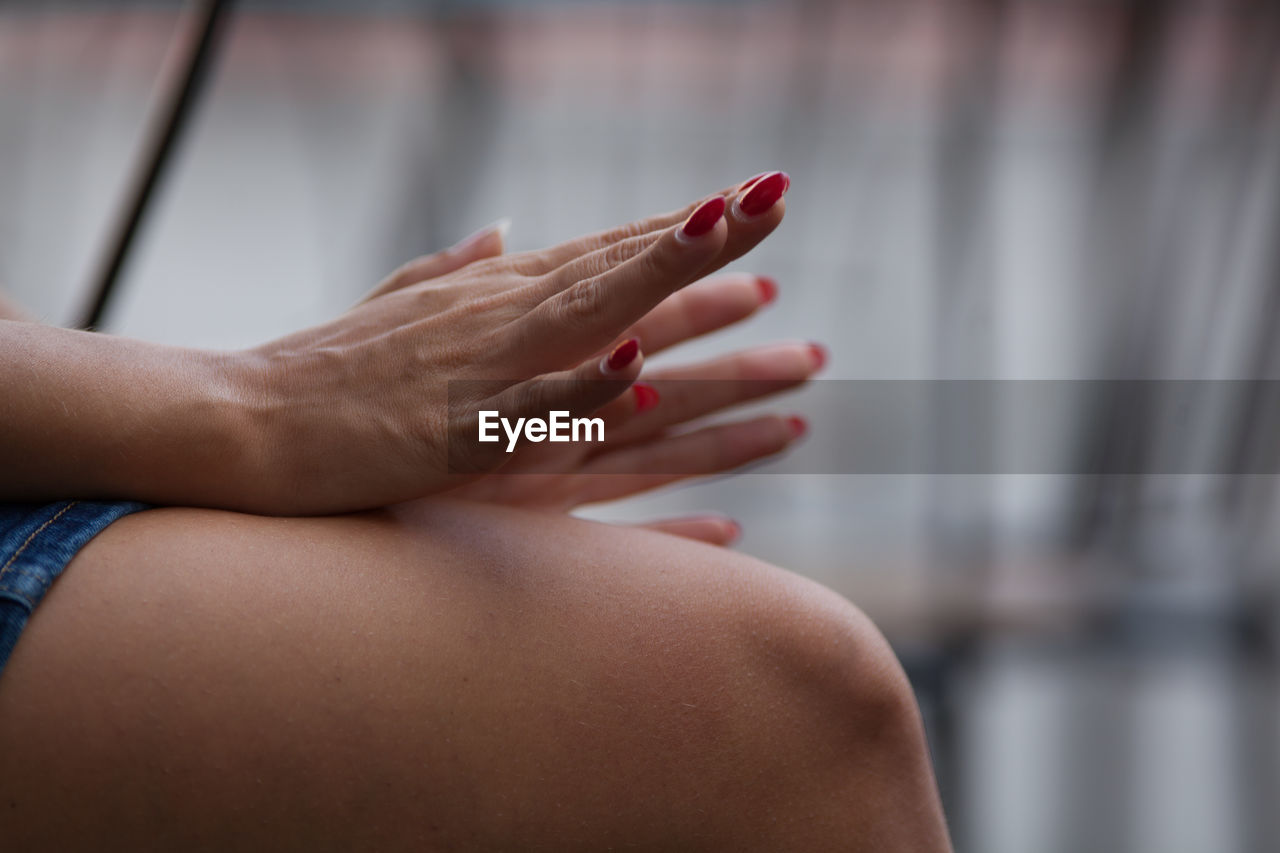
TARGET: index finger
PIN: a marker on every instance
(590, 313)
(548, 259)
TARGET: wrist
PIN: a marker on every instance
(186, 435)
(268, 436)
(223, 433)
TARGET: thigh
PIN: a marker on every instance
(444, 675)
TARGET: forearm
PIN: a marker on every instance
(85, 415)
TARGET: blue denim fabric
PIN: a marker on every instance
(36, 543)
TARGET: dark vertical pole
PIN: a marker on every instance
(162, 135)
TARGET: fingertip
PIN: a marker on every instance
(703, 221)
(484, 242)
(496, 239)
(680, 254)
(818, 353)
(712, 528)
(623, 360)
(764, 195)
(751, 182)
(646, 396)
(720, 529)
(768, 288)
(622, 355)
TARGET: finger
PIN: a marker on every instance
(751, 215)
(478, 442)
(557, 256)
(642, 398)
(712, 529)
(702, 307)
(580, 319)
(686, 393)
(488, 242)
(710, 450)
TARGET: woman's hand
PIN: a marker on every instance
(359, 412)
(644, 446)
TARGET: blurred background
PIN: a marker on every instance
(1071, 190)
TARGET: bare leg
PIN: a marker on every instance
(450, 676)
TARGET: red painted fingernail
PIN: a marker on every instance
(765, 193)
(798, 426)
(749, 181)
(623, 354)
(768, 289)
(819, 353)
(704, 218)
(646, 396)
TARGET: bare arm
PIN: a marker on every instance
(89, 415)
(356, 413)
(96, 416)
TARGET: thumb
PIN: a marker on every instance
(485, 243)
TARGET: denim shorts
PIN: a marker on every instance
(36, 543)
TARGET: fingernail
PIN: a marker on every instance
(735, 530)
(798, 426)
(768, 289)
(819, 354)
(704, 218)
(622, 355)
(500, 227)
(764, 194)
(646, 396)
(746, 185)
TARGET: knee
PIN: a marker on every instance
(835, 747)
(831, 674)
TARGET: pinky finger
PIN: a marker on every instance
(712, 529)
(485, 243)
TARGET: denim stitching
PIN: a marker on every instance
(5, 568)
(36, 574)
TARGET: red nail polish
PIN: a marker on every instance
(798, 426)
(819, 353)
(747, 184)
(768, 289)
(765, 193)
(623, 354)
(704, 218)
(646, 396)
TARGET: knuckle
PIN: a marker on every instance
(626, 232)
(580, 303)
(531, 398)
(619, 253)
(526, 264)
(495, 308)
(601, 260)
